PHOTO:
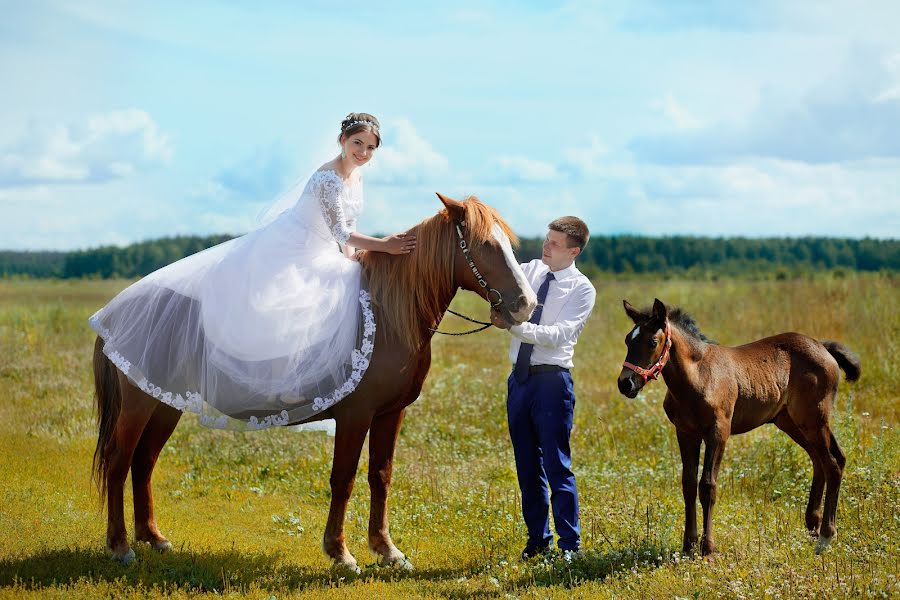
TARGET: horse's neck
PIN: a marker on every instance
(444, 304)
(681, 372)
(423, 321)
(443, 301)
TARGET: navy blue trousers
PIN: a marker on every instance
(540, 415)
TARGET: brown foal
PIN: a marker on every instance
(715, 392)
(466, 245)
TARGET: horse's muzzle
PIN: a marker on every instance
(627, 385)
(523, 308)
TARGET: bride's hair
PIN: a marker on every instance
(356, 122)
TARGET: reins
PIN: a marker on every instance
(485, 325)
(481, 281)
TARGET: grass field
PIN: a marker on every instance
(246, 511)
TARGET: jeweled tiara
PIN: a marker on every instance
(355, 123)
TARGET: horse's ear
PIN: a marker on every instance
(660, 311)
(456, 209)
(633, 313)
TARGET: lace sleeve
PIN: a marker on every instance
(329, 194)
(356, 200)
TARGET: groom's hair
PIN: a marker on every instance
(576, 231)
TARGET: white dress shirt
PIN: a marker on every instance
(569, 302)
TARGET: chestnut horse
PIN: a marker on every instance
(715, 392)
(466, 245)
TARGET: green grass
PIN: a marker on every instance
(246, 511)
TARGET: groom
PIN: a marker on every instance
(540, 398)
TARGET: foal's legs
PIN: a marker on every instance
(155, 436)
(348, 442)
(135, 412)
(712, 458)
(690, 459)
(382, 441)
(814, 507)
(826, 449)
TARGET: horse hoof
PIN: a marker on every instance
(822, 544)
(346, 569)
(401, 562)
(124, 559)
(163, 546)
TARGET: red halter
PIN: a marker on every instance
(657, 367)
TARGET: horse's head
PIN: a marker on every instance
(484, 261)
(648, 346)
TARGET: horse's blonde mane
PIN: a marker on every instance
(411, 291)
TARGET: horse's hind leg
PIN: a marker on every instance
(160, 426)
(814, 507)
(137, 407)
(382, 441)
(826, 449)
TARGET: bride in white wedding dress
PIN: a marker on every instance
(269, 328)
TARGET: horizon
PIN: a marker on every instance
(521, 237)
(129, 123)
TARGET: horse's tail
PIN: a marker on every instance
(846, 359)
(109, 404)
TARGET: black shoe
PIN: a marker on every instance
(532, 551)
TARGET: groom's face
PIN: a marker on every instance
(556, 252)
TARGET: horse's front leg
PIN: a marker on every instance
(689, 446)
(712, 458)
(382, 441)
(348, 440)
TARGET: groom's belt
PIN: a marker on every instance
(545, 369)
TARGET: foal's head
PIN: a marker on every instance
(647, 346)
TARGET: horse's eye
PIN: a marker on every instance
(653, 343)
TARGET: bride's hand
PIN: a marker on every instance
(399, 243)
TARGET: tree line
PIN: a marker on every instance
(623, 254)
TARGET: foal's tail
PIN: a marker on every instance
(846, 359)
(109, 404)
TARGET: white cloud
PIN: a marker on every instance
(107, 146)
(891, 93)
(589, 161)
(520, 169)
(845, 117)
(405, 157)
(675, 112)
(260, 175)
(772, 197)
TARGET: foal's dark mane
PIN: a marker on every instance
(684, 321)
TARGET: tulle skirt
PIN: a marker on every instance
(267, 329)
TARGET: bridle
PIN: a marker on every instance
(481, 282)
(657, 367)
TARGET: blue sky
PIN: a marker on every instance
(129, 121)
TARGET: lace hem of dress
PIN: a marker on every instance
(192, 401)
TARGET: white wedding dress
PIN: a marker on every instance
(266, 329)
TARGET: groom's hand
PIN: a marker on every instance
(498, 320)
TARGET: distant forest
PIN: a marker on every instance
(677, 255)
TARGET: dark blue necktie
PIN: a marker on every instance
(523, 360)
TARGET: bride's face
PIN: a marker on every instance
(359, 147)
